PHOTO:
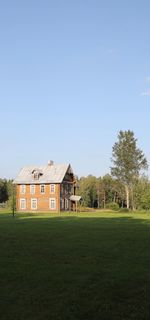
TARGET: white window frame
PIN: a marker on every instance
(52, 203)
(22, 201)
(32, 206)
(41, 186)
(52, 188)
(22, 188)
(32, 189)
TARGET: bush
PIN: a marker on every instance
(112, 206)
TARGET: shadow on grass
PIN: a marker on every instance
(74, 267)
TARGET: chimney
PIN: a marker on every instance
(50, 163)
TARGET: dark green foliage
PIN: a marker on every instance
(97, 192)
(88, 191)
(7, 195)
(142, 194)
(3, 191)
(6, 190)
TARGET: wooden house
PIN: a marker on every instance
(46, 188)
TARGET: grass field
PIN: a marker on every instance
(75, 266)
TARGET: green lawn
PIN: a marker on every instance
(75, 266)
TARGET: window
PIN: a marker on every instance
(52, 188)
(33, 204)
(32, 189)
(23, 189)
(52, 203)
(42, 188)
(22, 204)
(36, 174)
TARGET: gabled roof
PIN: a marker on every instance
(54, 173)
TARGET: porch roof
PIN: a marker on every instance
(75, 198)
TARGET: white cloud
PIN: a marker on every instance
(146, 93)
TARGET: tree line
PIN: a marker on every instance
(126, 186)
(109, 193)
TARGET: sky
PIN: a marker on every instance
(73, 73)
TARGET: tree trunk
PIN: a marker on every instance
(104, 200)
(127, 195)
(98, 200)
(132, 199)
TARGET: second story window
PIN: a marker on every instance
(52, 188)
(23, 189)
(42, 188)
(32, 189)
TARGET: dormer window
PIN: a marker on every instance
(36, 174)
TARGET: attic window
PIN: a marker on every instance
(36, 174)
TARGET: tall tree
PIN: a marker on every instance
(128, 160)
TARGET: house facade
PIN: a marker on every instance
(46, 188)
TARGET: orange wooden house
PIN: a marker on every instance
(46, 188)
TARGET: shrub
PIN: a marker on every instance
(112, 206)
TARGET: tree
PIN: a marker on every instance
(12, 196)
(142, 194)
(105, 190)
(3, 191)
(128, 161)
(87, 189)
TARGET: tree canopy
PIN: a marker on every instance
(128, 160)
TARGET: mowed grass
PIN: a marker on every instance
(75, 266)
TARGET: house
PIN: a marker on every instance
(46, 188)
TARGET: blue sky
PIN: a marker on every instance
(72, 74)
